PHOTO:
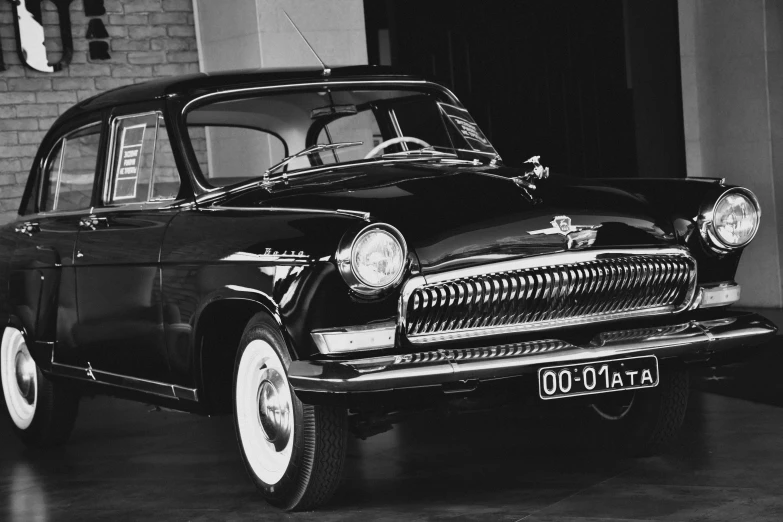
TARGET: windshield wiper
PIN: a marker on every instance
(427, 151)
(318, 147)
(433, 153)
(446, 157)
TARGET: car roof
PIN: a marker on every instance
(208, 82)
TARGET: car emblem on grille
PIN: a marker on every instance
(578, 236)
(563, 223)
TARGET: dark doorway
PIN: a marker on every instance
(550, 78)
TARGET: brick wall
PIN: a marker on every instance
(147, 39)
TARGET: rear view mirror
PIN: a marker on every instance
(331, 110)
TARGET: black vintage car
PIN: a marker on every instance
(321, 253)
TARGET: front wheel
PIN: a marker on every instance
(42, 412)
(642, 422)
(294, 452)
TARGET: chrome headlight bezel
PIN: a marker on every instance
(706, 221)
(344, 258)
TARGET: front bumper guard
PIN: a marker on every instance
(691, 342)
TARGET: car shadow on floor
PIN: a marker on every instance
(756, 378)
(502, 463)
(498, 457)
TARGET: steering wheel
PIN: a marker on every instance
(378, 148)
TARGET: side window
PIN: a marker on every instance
(70, 171)
(142, 166)
(229, 154)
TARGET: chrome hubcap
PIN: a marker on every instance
(19, 378)
(274, 411)
(25, 370)
(264, 412)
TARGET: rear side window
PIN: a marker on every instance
(70, 171)
(142, 165)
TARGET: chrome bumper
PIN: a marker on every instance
(691, 341)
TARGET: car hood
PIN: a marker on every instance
(456, 216)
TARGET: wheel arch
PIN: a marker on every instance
(218, 329)
(41, 352)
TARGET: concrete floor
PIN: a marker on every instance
(127, 464)
(124, 463)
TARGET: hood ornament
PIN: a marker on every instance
(525, 181)
(578, 236)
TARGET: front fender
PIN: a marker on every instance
(318, 297)
(281, 258)
(681, 201)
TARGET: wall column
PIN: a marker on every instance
(257, 34)
(731, 57)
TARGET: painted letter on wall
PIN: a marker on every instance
(30, 34)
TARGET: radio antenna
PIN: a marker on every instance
(327, 71)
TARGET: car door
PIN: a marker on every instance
(118, 248)
(41, 283)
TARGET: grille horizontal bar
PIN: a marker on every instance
(472, 354)
(595, 289)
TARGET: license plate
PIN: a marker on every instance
(569, 380)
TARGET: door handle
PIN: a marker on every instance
(28, 228)
(93, 222)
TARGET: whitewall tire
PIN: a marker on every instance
(42, 413)
(19, 378)
(264, 409)
(293, 452)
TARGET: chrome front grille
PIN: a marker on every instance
(547, 291)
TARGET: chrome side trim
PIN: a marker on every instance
(365, 216)
(550, 322)
(287, 259)
(171, 391)
(188, 394)
(690, 341)
(352, 213)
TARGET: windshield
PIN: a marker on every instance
(268, 136)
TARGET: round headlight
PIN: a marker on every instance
(377, 258)
(373, 259)
(736, 219)
(732, 221)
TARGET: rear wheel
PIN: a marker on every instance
(642, 422)
(42, 413)
(294, 452)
